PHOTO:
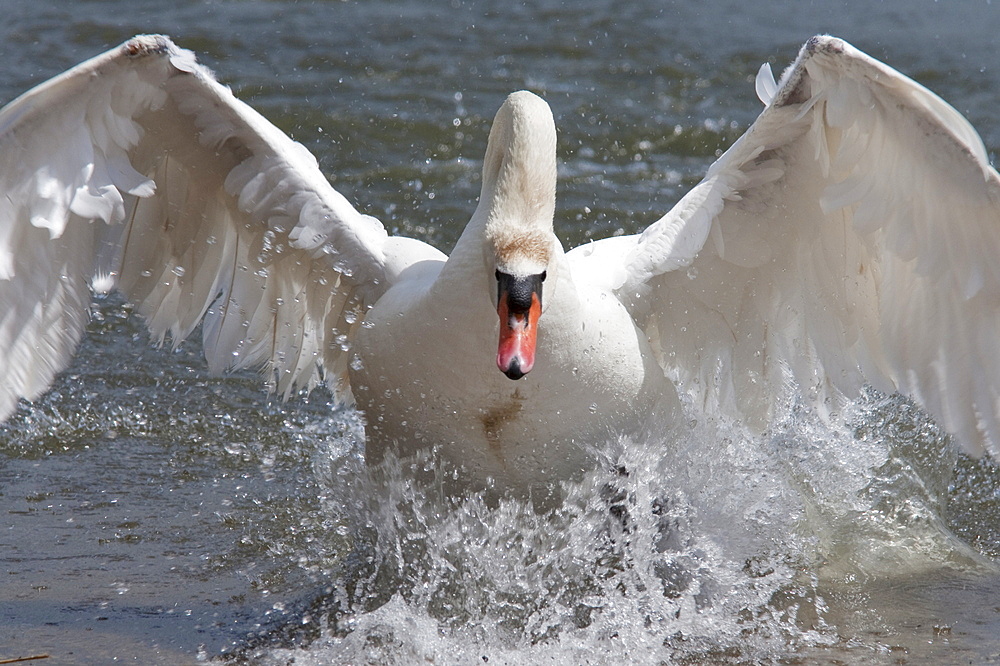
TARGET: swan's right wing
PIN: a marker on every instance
(137, 170)
(851, 236)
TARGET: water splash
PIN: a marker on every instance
(724, 546)
(720, 546)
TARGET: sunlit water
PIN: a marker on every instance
(156, 514)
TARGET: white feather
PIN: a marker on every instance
(137, 166)
(872, 259)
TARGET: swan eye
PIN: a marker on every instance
(496, 274)
(544, 273)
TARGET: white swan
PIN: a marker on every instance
(851, 236)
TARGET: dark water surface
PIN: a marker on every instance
(152, 513)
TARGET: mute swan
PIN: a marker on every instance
(851, 236)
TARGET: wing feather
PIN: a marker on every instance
(865, 253)
(137, 170)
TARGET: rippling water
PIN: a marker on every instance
(156, 514)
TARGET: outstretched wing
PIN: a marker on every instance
(137, 170)
(851, 236)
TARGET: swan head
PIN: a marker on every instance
(519, 196)
(519, 305)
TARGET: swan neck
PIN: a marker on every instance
(519, 181)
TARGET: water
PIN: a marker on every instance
(156, 514)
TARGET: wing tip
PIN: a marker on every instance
(793, 87)
(824, 44)
(141, 46)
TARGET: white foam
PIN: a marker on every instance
(719, 546)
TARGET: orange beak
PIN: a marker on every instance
(519, 307)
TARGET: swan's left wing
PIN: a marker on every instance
(136, 170)
(851, 236)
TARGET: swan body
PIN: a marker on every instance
(849, 237)
(414, 395)
(426, 376)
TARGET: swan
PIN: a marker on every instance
(849, 237)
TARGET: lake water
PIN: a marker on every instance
(152, 513)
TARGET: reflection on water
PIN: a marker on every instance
(157, 514)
